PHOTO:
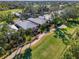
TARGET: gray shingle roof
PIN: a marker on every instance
(37, 20)
(25, 24)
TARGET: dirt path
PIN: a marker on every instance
(22, 49)
(16, 52)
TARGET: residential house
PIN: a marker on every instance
(25, 24)
(48, 17)
(41, 17)
(62, 26)
(13, 27)
(16, 14)
(37, 21)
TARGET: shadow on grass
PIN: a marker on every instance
(27, 54)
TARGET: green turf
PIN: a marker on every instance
(13, 10)
(51, 48)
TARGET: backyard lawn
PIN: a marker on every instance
(49, 48)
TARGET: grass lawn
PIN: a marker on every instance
(49, 48)
(13, 10)
(70, 30)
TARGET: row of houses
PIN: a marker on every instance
(30, 23)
